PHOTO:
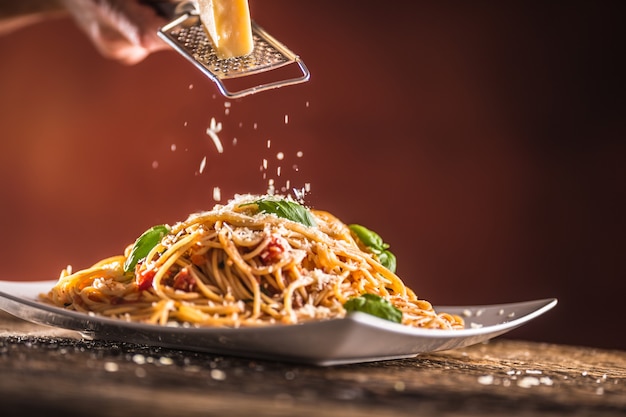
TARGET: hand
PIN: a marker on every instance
(124, 30)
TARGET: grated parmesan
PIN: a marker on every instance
(213, 129)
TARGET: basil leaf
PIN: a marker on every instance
(374, 305)
(143, 245)
(376, 245)
(289, 210)
(368, 237)
(388, 260)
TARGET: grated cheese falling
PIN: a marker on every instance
(202, 165)
(213, 129)
(299, 194)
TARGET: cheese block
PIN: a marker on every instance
(227, 23)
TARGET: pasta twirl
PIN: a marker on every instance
(242, 265)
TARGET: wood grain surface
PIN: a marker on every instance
(54, 372)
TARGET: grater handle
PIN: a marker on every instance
(171, 9)
(305, 76)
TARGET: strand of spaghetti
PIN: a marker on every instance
(260, 247)
(234, 254)
(92, 272)
(176, 249)
(158, 311)
(217, 309)
(322, 297)
(271, 311)
(217, 263)
(210, 217)
(288, 297)
(194, 315)
(270, 280)
(337, 288)
(395, 282)
(204, 290)
(235, 284)
(167, 260)
(279, 279)
(179, 295)
(353, 259)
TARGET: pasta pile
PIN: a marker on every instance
(242, 264)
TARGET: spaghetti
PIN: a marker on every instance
(242, 265)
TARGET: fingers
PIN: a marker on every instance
(116, 45)
(123, 30)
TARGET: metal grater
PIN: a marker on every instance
(187, 36)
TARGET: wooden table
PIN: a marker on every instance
(47, 371)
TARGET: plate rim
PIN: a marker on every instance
(95, 326)
(362, 318)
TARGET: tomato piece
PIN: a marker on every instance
(144, 279)
(184, 281)
(273, 251)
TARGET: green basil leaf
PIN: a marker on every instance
(374, 305)
(369, 238)
(143, 245)
(285, 209)
(376, 245)
(388, 260)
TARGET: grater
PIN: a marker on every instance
(186, 35)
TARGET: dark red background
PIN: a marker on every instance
(483, 141)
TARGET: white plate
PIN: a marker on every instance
(359, 337)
